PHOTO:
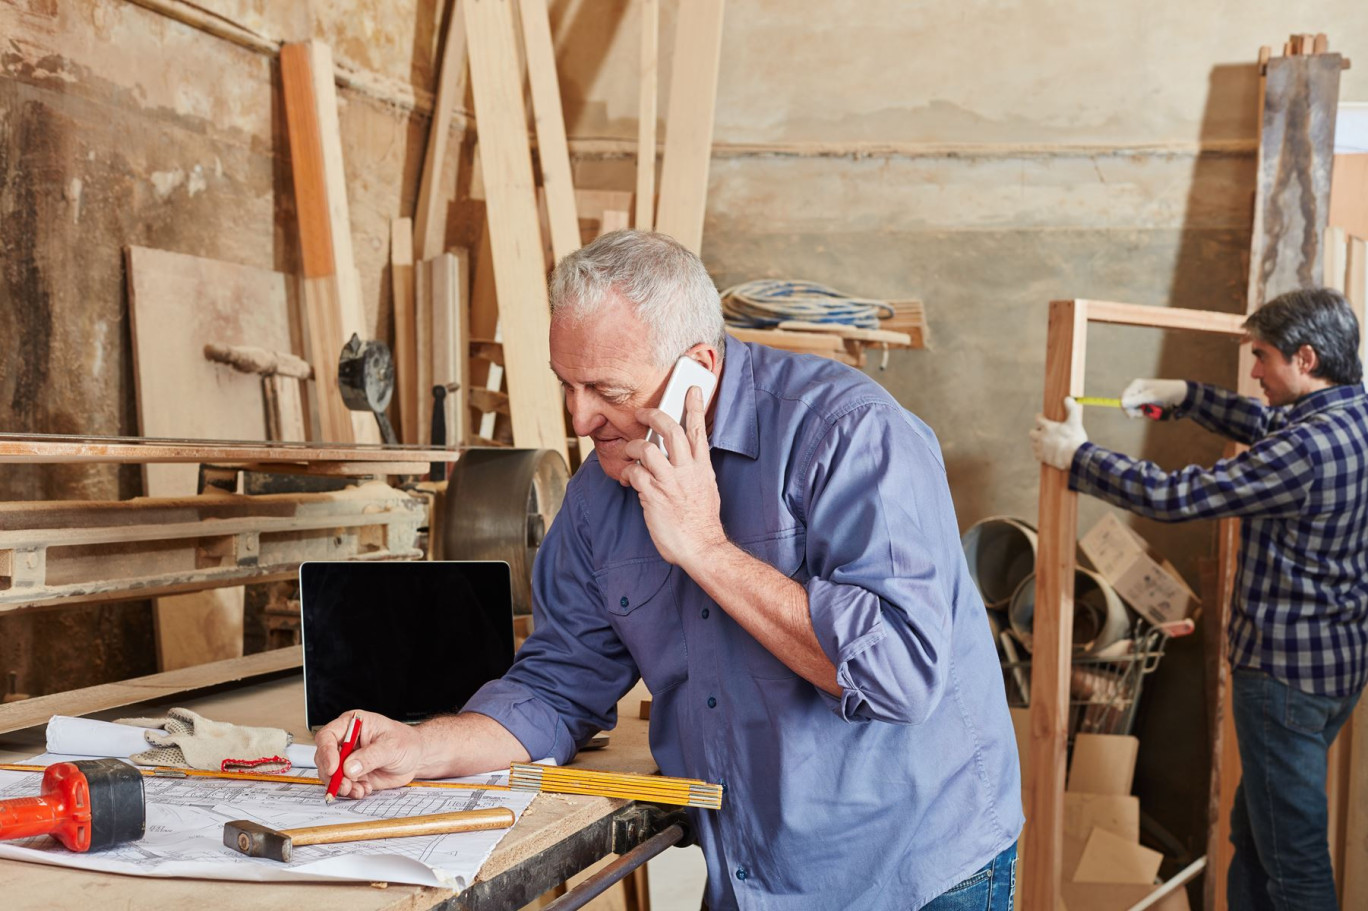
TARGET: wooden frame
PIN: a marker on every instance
(1065, 358)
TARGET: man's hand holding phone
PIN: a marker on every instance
(678, 490)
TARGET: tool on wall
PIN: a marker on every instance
(86, 805)
(256, 840)
(438, 434)
(280, 374)
(365, 374)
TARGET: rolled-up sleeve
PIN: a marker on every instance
(570, 673)
(882, 549)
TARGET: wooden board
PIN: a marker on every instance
(1292, 194)
(177, 305)
(15, 716)
(1043, 840)
(39, 448)
(689, 123)
(648, 69)
(1349, 194)
(549, 120)
(429, 223)
(332, 296)
(406, 388)
(447, 278)
(538, 414)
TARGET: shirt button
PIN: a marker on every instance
(712, 702)
(623, 601)
(704, 613)
(742, 873)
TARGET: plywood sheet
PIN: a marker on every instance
(177, 305)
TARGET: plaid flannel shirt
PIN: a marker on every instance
(1301, 601)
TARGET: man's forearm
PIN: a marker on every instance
(768, 605)
(466, 744)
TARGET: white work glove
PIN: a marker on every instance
(193, 741)
(1055, 442)
(1167, 394)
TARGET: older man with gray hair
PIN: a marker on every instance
(1299, 628)
(788, 580)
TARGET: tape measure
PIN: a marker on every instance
(1151, 410)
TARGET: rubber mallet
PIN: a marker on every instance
(86, 805)
(256, 840)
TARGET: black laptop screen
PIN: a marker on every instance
(408, 640)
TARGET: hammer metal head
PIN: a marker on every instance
(256, 840)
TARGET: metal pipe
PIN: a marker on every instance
(600, 882)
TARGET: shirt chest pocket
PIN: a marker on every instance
(642, 606)
(787, 553)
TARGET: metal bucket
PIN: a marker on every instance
(1100, 618)
(1001, 552)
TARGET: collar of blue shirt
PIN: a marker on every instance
(1322, 399)
(736, 426)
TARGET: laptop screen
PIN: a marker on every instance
(407, 639)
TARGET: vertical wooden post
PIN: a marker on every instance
(646, 114)
(689, 129)
(429, 223)
(538, 413)
(1043, 847)
(553, 150)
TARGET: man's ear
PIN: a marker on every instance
(706, 355)
(1307, 360)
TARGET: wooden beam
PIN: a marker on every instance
(331, 296)
(66, 552)
(549, 122)
(448, 277)
(1043, 849)
(689, 127)
(37, 448)
(648, 69)
(407, 389)
(538, 414)
(1165, 317)
(429, 222)
(27, 713)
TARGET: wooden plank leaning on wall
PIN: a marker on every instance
(332, 296)
(515, 237)
(689, 129)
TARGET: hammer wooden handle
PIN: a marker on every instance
(434, 824)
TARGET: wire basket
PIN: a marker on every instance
(1104, 692)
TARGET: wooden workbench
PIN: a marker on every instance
(551, 823)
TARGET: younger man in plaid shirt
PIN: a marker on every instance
(1299, 628)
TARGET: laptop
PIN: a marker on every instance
(406, 639)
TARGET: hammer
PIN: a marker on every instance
(86, 805)
(256, 840)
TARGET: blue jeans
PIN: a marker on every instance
(1279, 825)
(991, 889)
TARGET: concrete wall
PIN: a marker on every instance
(985, 156)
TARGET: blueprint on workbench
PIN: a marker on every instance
(185, 818)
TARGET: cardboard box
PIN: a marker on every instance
(1147, 581)
(1103, 764)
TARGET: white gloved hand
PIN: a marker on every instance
(1167, 394)
(1055, 442)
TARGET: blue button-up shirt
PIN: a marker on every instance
(880, 798)
(1301, 603)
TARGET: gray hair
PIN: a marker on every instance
(659, 278)
(1319, 317)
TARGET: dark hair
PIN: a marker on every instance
(1319, 317)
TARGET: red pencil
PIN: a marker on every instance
(344, 750)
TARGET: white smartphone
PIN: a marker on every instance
(686, 374)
